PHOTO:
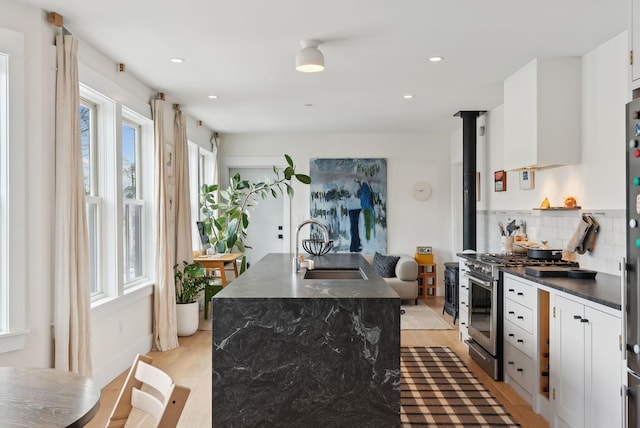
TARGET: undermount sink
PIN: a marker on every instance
(334, 274)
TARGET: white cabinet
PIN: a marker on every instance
(542, 114)
(586, 364)
(463, 301)
(520, 333)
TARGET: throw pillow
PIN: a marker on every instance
(385, 265)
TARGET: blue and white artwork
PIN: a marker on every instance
(349, 196)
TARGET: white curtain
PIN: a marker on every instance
(72, 316)
(181, 200)
(165, 331)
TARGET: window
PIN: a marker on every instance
(88, 138)
(13, 187)
(116, 148)
(133, 204)
(200, 172)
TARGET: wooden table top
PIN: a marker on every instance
(219, 257)
(42, 397)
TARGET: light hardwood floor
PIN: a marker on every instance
(190, 365)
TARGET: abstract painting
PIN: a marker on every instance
(349, 196)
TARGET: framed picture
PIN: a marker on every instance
(500, 179)
(526, 179)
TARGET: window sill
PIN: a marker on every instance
(110, 305)
(13, 341)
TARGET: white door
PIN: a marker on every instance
(268, 230)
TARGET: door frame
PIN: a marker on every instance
(228, 162)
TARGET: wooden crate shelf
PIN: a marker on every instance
(426, 280)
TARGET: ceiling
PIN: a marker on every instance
(376, 51)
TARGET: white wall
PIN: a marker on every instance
(121, 327)
(410, 158)
(597, 182)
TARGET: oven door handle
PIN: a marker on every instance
(485, 284)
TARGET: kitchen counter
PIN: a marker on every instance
(604, 289)
(289, 351)
(273, 277)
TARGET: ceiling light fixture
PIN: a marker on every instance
(309, 59)
(407, 97)
(213, 97)
(177, 60)
(436, 59)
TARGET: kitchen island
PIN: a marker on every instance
(289, 351)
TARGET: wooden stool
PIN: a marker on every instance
(427, 279)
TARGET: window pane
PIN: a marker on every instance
(85, 138)
(92, 223)
(129, 169)
(132, 242)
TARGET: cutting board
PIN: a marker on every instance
(558, 271)
(547, 271)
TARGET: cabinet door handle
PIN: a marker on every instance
(511, 290)
(511, 313)
(520, 370)
(584, 320)
(577, 317)
(520, 341)
(520, 317)
(520, 294)
(511, 335)
(510, 362)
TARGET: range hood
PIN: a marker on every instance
(542, 115)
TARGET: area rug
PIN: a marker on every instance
(438, 390)
(422, 317)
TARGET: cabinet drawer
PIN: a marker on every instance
(519, 292)
(519, 338)
(519, 315)
(519, 368)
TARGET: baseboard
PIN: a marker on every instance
(120, 362)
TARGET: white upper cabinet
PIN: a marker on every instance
(542, 114)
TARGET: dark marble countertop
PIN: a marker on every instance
(273, 277)
(604, 289)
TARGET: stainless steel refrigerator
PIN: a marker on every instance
(631, 266)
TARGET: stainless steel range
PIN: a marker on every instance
(486, 303)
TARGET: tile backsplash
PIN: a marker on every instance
(557, 227)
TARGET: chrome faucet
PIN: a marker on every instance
(325, 233)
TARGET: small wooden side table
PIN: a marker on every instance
(426, 280)
(217, 262)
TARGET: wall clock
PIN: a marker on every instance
(421, 191)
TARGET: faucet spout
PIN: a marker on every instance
(325, 237)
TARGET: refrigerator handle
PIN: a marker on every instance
(623, 344)
(625, 407)
(623, 300)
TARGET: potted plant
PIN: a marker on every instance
(190, 280)
(226, 211)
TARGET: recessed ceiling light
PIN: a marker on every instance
(213, 97)
(177, 60)
(436, 59)
(308, 105)
(407, 96)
